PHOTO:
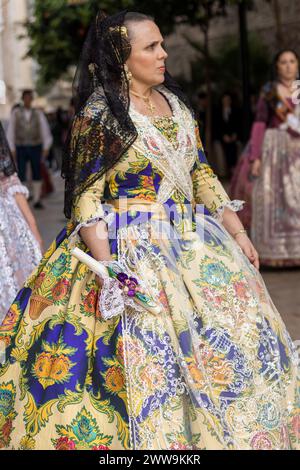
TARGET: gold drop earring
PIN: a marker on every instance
(128, 74)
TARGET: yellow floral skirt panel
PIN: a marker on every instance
(215, 369)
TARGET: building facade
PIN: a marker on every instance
(17, 71)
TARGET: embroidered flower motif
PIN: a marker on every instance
(6, 429)
(7, 412)
(63, 443)
(153, 376)
(152, 145)
(39, 280)
(179, 446)
(135, 350)
(53, 364)
(215, 273)
(196, 374)
(296, 426)
(10, 319)
(212, 296)
(100, 448)
(146, 182)
(90, 301)
(220, 371)
(241, 289)
(27, 443)
(60, 290)
(269, 416)
(284, 437)
(114, 379)
(6, 340)
(50, 370)
(163, 299)
(206, 352)
(82, 433)
(261, 441)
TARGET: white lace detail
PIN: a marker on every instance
(109, 218)
(175, 164)
(130, 259)
(136, 330)
(153, 344)
(113, 301)
(74, 237)
(19, 251)
(235, 205)
(165, 191)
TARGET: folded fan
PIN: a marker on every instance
(130, 285)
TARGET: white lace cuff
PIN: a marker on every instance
(113, 301)
(18, 189)
(235, 205)
(74, 237)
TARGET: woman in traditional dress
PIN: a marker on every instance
(215, 368)
(268, 174)
(20, 240)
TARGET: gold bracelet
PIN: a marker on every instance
(240, 231)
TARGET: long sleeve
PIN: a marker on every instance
(47, 138)
(207, 188)
(258, 129)
(87, 209)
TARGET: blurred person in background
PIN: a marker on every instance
(268, 174)
(30, 139)
(228, 124)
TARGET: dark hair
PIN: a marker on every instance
(277, 58)
(135, 17)
(27, 92)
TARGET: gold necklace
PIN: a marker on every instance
(149, 105)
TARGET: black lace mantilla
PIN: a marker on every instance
(102, 129)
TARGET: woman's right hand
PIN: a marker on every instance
(99, 279)
(255, 169)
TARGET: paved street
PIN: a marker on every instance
(283, 285)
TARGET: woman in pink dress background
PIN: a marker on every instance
(268, 174)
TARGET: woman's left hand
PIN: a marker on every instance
(248, 249)
(38, 238)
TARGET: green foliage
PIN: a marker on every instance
(58, 29)
(228, 64)
(225, 65)
(57, 32)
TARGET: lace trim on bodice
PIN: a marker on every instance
(174, 163)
